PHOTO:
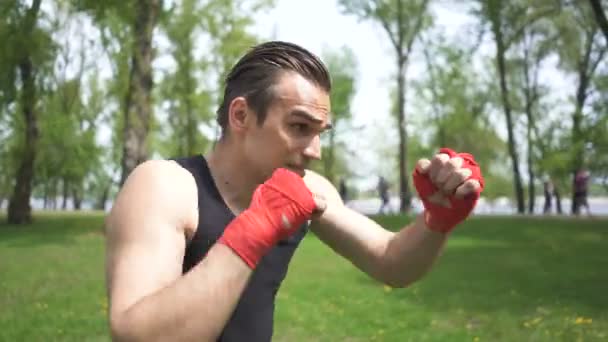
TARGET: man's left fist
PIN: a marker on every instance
(449, 186)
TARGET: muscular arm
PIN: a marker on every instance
(397, 259)
(150, 300)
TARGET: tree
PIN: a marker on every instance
(131, 25)
(507, 21)
(28, 51)
(529, 51)
(342, 67)
(600, 17)
(192, 90)
(580, 53)
(402, 21)
(453, 101)
(184, 91)
(138, 114)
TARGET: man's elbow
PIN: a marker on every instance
(122, 330)
(397, 283)
(399, 279)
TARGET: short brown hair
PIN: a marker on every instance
(255, 73)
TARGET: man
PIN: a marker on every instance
(198, 247)
(343, 190)
(581, 186)
(384, 195)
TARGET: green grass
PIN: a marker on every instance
(500, 279)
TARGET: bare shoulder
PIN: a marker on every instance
(157, 188)
(146, 231)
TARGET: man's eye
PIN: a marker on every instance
(299, 127)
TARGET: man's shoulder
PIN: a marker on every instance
(161, 187)
(163, 174)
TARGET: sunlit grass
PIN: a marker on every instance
(500, 279)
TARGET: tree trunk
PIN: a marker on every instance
(529, 98)
(500, 58)
(19, 209)
(404, 191)
(138, 114)
(191, 129)
(600, 17)
(330, 158)
(65, 194)
(46, 195)
(54, 193)
(577, 115)
(76, 198)
(531, 177)
(101, 202)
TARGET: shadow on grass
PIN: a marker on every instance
(50, 228)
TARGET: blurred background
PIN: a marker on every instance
(89, 89)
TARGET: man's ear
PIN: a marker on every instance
(239, 115)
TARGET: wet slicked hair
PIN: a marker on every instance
(259, 69)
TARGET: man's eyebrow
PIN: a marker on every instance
(306, 115)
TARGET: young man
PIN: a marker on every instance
(198, 247)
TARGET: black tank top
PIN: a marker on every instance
(252, 319)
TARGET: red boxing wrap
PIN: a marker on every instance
(278, 209)
(444, 219)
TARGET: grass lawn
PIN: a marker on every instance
(500, 279)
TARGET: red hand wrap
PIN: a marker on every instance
(278, 209)
(444, 219)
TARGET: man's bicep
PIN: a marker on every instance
(145, 244)
(138, 267)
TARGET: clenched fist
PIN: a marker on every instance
(449, 186)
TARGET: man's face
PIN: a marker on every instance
(290, 135)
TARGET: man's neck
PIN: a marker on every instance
(235, 185)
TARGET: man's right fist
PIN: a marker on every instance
(279, 207)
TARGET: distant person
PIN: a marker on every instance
(384, 195)
(343, 191)
(581, 184)
(558, 200)
(548, 191)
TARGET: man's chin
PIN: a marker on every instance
(298, 170)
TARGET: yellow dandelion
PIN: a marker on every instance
(536, 320)
(583, 320)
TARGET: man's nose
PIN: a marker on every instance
(313, 150)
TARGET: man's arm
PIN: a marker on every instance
(448, 186)
(396, 259)
(150, 300)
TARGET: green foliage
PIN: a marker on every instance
(191, 93)
(342, 65)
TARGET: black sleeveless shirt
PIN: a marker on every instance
(252, 319)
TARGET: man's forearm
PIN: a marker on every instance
(195, 307)
(411, 253)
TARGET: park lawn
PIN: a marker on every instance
(500, 279)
